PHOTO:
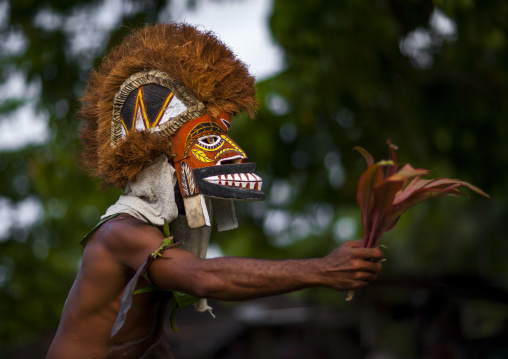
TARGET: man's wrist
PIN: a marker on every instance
(312, 272)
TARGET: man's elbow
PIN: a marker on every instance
(205, 285)
(196, 283)
(190, 277)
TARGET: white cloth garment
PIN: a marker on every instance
(150, 195)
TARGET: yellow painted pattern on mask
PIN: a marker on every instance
(232, 144)
(201, 156)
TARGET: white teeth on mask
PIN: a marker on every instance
(229, 180)
(236, 176)
(239, 180)
(259, 182)
(213, 179)
(252, 180)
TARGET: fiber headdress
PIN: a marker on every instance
(202, 72)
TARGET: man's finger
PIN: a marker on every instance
(369, 253)
(353, 244)
(372, 267)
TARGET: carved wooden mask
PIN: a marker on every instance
(210, 163)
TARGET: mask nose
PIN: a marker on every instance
(230, 153)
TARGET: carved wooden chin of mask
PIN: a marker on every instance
(210, 166)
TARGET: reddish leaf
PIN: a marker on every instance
(365, 194)
(384, 194)
(368, 157)
(406, 173)
(391, 170)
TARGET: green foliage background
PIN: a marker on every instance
(356, 73)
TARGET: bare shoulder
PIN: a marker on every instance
(127, 239)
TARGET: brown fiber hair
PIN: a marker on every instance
(198, 60)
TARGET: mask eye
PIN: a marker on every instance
(210, 142)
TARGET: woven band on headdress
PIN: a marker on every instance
(163, 126)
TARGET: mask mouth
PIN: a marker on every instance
(235, 181)
(230, 160)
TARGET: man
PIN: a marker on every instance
(156, 116)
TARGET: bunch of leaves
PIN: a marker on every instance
(385, 193)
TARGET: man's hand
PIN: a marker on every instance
(351, 267)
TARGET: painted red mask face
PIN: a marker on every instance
(209, 162)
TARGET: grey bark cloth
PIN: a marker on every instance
(150, 195)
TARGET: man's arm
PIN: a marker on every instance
(349, 267)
